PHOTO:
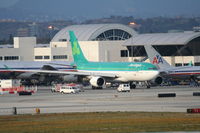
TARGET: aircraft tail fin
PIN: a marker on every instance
(190, 64)
(156, 58)
(6, 67)
(76, 49)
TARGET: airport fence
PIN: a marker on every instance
(39, 109)
(17, 110)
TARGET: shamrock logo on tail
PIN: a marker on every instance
(76, 50)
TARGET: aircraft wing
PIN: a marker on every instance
(109, 75)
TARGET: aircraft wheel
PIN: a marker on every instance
(132, 86)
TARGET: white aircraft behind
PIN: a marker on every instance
(6, 72)
(166, 70)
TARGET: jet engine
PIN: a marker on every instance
(97, 81)
(158, 80)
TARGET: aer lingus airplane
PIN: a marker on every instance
(99, 73)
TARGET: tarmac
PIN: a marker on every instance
(106, 100)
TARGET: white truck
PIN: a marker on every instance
(68, 89)
(124, 88)
(57, 87)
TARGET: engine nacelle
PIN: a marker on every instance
(97, 81)
(158, 80)
(70, 78)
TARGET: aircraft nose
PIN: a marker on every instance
(155, 73)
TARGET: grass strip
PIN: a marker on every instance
(100, 122)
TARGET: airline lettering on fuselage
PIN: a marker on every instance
(157, 59)
(135, 65)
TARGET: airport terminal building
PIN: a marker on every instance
(106, 42)
(177, 48)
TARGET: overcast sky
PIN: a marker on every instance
(7, 3)
(103, 8)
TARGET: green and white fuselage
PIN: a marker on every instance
(116, 71)
(125, 72)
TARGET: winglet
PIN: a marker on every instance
(190, 64)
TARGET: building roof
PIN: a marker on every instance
(162, 38)
(6, 46)
(90, 31)
(41, 45)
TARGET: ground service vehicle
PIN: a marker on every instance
(13, 86)
(123, 88)
(68, 89)
(57, 87)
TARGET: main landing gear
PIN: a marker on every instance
(132, 85)
(148, 84)
(193, 82)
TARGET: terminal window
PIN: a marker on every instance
(60, 57)
(136, 51)
(46, 57)
(11, 58)
(38, 57)
(124, 53)
(113, 34)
